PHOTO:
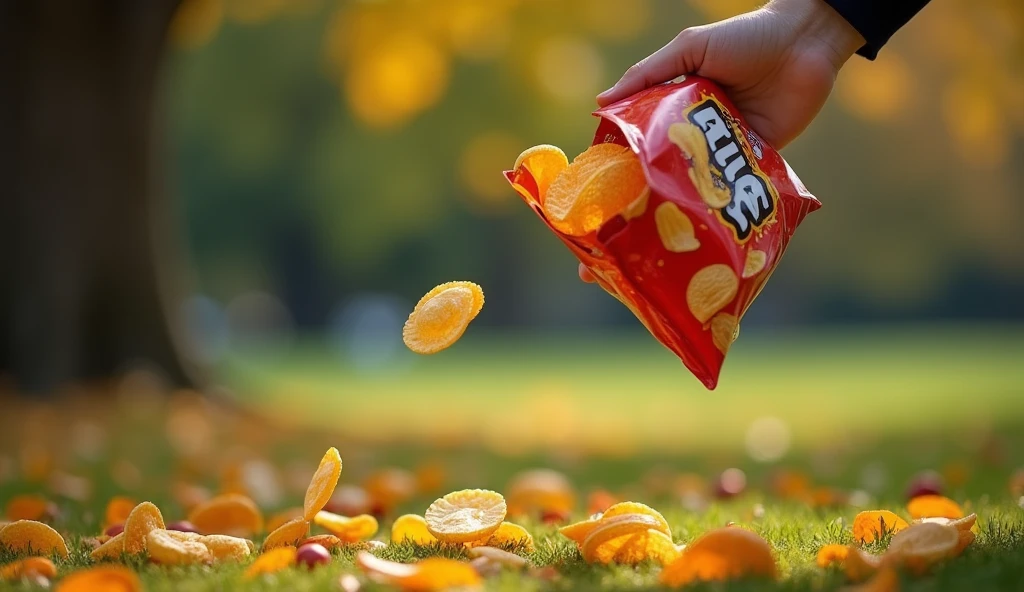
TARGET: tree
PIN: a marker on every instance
(87, 257)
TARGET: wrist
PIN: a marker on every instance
(816, 20)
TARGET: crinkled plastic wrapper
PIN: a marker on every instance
(694, 250)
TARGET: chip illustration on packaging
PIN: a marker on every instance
(678, 209)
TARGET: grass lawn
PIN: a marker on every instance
(861, 414)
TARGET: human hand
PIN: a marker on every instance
(778, 65)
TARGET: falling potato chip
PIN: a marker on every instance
(107, 578)
(144, 518)
(691, 141)
(710, 290)
(725, 328)
(27, 567)
(231, 513)
(30, 536)
(508, 534)
(544, 162)
(934, 506)
(288, 534)
(722, 554)
(609, 536)
(674, 228)
(601, 182)
(321, 486)
(831, 555)
(650, 544)
(435, 573)
(272, 561)
(466, 515)
(411, 527)
(442, 316)
(168, 550)
(755, 263)
(872, 524)
(347, 529)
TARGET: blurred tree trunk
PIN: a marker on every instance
(85, 245)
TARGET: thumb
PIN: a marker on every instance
(683, 55)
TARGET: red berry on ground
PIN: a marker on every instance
(312, 554)
(183, 526)
(114, 530)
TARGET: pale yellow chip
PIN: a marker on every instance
(639, 205)
(226, 548)
(112, 549)
(321, 486)
(168, 550)
(690, 139)
(710, 290)
(497, 555)
(725, 328)
(755, 263)
(508, 533)
(442, 316)
(143, 518)
(675, 228)
(345, 528)
(924, 543)
(411, 527)
(465, 516)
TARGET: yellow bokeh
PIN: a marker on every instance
(569, 69)
(196, 22)
(877, 91)
(481, 159)
(722, 9)
(472, 29)
(616, 20)
(254, 11)
(975, 123)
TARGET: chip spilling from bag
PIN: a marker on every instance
(678, 209)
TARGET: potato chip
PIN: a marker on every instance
(536, 491)
(143, 518)
(427, 575)
(725, 328)
(885, 580)
(497, 555)
(28, 507)
(601, 182)
(442, 316)
(860, 565)
(466, 515)
(934, 506)
(508, 534)
(168, 550)
(272, 561)
(275, 521)
(413, 528)
(321, 486)
(579, 531)
(27, 567)
(755, 263)
(872, 524)
(605, 540)
(350, 530)
(639, 205)
(230, 513)
(690, 139)
(327, 541)
(830, 555)
(544, 162)
(968, 522)
(722, 554)
(112, 549)
(651, 545)
(623, 508)
(710, 289)
(965, 538)
(226, 548)
(30, 536)
(675, 229)
(288, 534)
(107, 578)
(118, 509)
(921, 545)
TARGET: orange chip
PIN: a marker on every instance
(832, 555)
(350, 530)
(272, 561)
(275, 521)
(872, 524)
(321, 486)
(710, 289)
(144, 518)
(755, 263)
(579, 531)
(934, 506)
(651, 545)
(226, 548)
(412, 527)
(118, 509)
(327, 541)
(427, 575)
(722, 554)
(544, 162)
(30, 536)
(28, 567)
(112, 549)
(466, 515)
(230, 513)
(107, 578)
(921, 545)
(609, 536)
(442, 316)
(691, 141)
(675, 229)
(27, 507)
(725, 328)
(601, 182)
(885, 580)
(860, 565)
(507, 534)
(169, 550)
(288, 534)
(623, 508)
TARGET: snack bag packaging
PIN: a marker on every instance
(698, 244)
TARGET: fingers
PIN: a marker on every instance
(682, 55)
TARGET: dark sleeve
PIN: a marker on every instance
(876, 20)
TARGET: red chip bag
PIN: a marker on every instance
(695, 248)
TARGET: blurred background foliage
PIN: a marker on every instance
(338, 156)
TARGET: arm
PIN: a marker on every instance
(876, 20)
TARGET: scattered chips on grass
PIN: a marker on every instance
(321, 486)
(860, 565)
(651, 545)
(166, 549)
(832, 555)
(675, 229)
(288, 534)
(327, 541)
(466, 515)
(873, 524)
(28, 507)
(922, 545)
(272, 561)
(497, 555)
(226, 548)
(349, 530)
(426, 575)
(934, 506)
(412, 527)
(607, 538)
(27, 567)
(106, 578)
(722, 554)
(544, 163)
(623, 508)
(508, 534)
(143, 519)
(111, 549)
(231, 513)
(442, 316)
(710, 290)
(579, 531)
(30, 536)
